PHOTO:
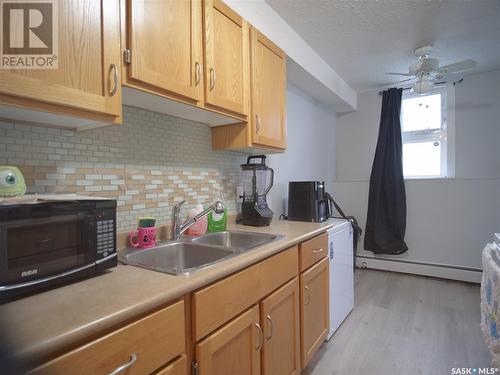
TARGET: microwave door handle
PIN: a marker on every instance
(53, 277)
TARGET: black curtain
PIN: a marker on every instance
(386, 218)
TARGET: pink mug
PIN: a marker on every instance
(143, 237)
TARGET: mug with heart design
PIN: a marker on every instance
(143, 237)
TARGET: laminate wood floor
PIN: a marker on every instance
(405, 324)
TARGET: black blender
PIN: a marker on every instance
(257, 181)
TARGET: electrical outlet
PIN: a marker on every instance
(239, 194)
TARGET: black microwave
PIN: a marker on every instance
(47, 243)
(307, 201)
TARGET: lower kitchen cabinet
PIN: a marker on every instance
(234, 348)
(218, 303)
(138, 348)
(177, 367)
(281, 326)
(266, 318)
(314, 309)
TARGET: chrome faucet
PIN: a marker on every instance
(178, 228)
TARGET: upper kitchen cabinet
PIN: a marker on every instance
(74, 64)
(186, 58)
(266, 128)
(227, 68)
(164, 47)
(268, 92)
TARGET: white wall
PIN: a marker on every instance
(310, 153)
(477, 118)
(448, 221)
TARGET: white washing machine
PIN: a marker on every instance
(340, 248)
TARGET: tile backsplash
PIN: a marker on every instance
(148, 164)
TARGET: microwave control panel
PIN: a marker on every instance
(105, 234)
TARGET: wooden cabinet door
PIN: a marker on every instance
(280, 323)
(227, 64)
(177, 367)
(234, 348)
(88, 65)
(164, 38)
(314, 309)
(268, 83)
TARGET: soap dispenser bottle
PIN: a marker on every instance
(217, 222)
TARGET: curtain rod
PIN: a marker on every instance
(436, 84)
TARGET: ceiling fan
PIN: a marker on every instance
(426, 72)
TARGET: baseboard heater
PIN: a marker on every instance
(444, 271)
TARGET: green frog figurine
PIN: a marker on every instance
(11, 182)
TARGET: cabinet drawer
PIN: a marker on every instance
(222, 301)
(155, 340)
(313, 250)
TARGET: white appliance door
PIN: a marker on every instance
(341, 277)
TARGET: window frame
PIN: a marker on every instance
(444, 135)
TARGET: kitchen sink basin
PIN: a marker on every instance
(176, 258)
(241, 241)
(190, 254)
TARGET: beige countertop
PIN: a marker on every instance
(45, 324)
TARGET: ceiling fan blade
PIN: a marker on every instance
(397, 83)
(404, 80)
(458, 66)
(447, 77)
(400, 74)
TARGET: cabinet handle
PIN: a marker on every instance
(113, 69)
(308, 290)
(318, 250)
(213, 77)
(133, 358)
(270, 327)
(259, 329)
(197, 73)
(257, 123)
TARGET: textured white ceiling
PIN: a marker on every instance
(361, 40)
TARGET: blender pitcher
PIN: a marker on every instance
(257, 181)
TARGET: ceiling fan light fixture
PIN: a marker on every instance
(426, 71)
(423, 85)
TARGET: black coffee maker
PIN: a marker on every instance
(308, 201)
(257, 181)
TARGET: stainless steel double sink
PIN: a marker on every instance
(190, 254)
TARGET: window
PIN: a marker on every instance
(424, 132)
